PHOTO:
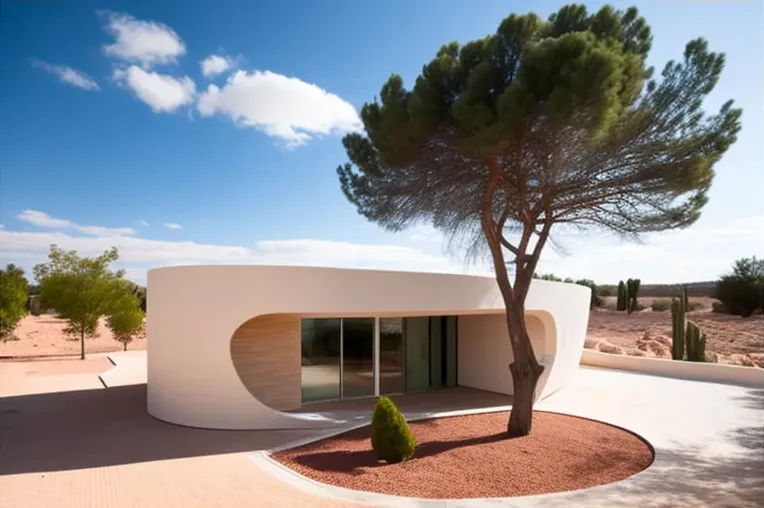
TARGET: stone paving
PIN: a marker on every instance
(66, 441)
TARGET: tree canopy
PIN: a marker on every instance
(13, 298)
(82, 289)
(568, 111)
(543, 123)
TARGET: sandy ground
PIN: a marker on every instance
(730, 339)
(44, 336)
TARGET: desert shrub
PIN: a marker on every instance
(595, 301)
(691, 306)
(391, 437)
(547, 276)
(742, 291)
(660, 305)
(719, 308)
(605, 291)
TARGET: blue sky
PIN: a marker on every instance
(187, 132)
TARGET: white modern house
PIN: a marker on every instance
(237, 347)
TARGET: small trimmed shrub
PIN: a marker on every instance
(660, 305)
(694, 306)
(719, 308)
(391, 437)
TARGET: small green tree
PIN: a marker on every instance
(742, 291)
(595, 300)
(13, 298)
(125, 319)
(391, 437)
(80, 289)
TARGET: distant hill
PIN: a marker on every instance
(697, 289)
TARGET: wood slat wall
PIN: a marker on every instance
(266, 354)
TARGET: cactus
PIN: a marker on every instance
(685, 299)
(621, 301)
(696, 343)
(632, 291)
(677, 329)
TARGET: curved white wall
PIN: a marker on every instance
(193, 312)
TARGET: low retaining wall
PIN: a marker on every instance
(714, 372)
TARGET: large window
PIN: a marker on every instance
(415, 354)
(391, 366)
(320, 359)
(357, 357)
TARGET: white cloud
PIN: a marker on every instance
(163, 93)
(145, 42)
(425, 233)
(143, 223)
(172, 225)
(214, 65)
(286, 108)
(43, 220)
(702, 252)
(28, 248)
(69, 75)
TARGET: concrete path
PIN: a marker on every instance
(708, 438)
(97, 447)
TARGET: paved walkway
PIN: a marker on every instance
(96, 447)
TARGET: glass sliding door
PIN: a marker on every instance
(391, 367)
(320, 359)
(451, 352)
(417, 353)
(357, 357)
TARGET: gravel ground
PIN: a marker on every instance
(468, 456)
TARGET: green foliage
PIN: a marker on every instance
(677, 329)
(605, 291)
(691, 306)
(621, 301)
(125, 318)
(632, 292)
(696, 343)
(13, 298)
(542, 123)
(595, 300)
(660, 305)
(719, 308)
(81, 289)
(742, 291)
(391, 437)
(547, 276)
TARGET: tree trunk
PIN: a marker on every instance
(525, 371)
(124, 346)
(82, 344)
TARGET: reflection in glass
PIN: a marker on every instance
(417, 354)
(357, 357)
(320, 359)
(391, 356)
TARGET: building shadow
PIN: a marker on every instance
(107, 427)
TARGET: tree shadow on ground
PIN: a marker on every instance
(691, 476)
(348, 461)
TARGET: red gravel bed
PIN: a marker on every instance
(470, 456)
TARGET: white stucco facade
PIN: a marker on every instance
(193, 312)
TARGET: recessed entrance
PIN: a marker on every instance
(341, 358)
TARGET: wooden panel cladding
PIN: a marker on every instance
(266, 355)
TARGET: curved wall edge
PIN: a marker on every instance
(194, 312)
(711, 372)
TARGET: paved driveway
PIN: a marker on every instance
(97, 447)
